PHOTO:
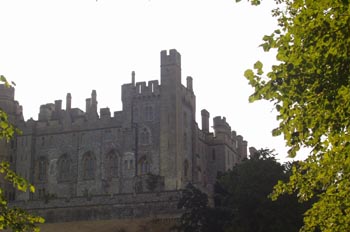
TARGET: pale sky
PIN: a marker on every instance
(49, 48)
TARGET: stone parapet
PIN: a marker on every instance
(105, 206)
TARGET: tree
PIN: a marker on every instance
(15, 219)
(245, 189)
(198, 216)
(310, 88)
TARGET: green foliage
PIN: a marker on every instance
(245, 190)
(15, 219)
(310, 88)
(241, 200)
(6, 129)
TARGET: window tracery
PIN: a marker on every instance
(88, 166)
(64, 168)
(112, 164)
(144, 166)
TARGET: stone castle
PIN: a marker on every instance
(152, 145)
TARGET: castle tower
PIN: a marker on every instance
(8, 148)
(171, 156)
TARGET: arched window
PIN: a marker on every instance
(145, 136)
(64, 168)
(112, 164)
(144, 166)
(88, 166)
(42, 169)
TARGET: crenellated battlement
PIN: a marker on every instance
(220, 125)
(140, 89)
(171, 58)
(143, 88)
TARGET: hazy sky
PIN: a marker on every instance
(50, 48)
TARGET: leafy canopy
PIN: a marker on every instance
(245, 189)
(310, 88)
(15, 219)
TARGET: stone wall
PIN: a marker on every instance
(105, 206)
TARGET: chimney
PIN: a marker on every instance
(68, 102)
(88, 105)
(133, 78)
(190, 83)
(205, 120)
(93, 102)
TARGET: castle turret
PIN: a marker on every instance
(221, 127)
(8, 103)
(88, 105)
(205, 120)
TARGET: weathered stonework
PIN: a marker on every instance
(104, 207)
(153, 145)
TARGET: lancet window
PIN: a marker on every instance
(88, 166)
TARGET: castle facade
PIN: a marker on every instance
(153, 144)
